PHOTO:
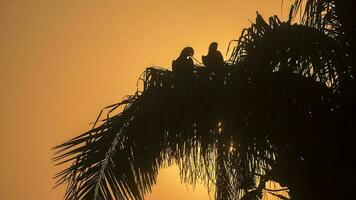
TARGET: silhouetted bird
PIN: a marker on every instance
(184, 63)
(214, 60)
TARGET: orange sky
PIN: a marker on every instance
(62, 61)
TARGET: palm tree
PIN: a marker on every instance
(280, 111)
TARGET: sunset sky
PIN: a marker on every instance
(62, 61)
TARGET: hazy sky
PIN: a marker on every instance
(62, 61)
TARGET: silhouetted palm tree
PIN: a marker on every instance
(283, 110)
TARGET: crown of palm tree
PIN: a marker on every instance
(274, 108)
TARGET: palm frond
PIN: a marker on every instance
(319, 14)
(280, 46)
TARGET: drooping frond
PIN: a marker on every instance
(170, 122)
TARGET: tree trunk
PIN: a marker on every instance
(222, 179)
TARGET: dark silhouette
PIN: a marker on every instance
(214, 60)
(184, 63)
(287, 113)
(183, 68)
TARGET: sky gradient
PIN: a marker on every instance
(62, 61)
